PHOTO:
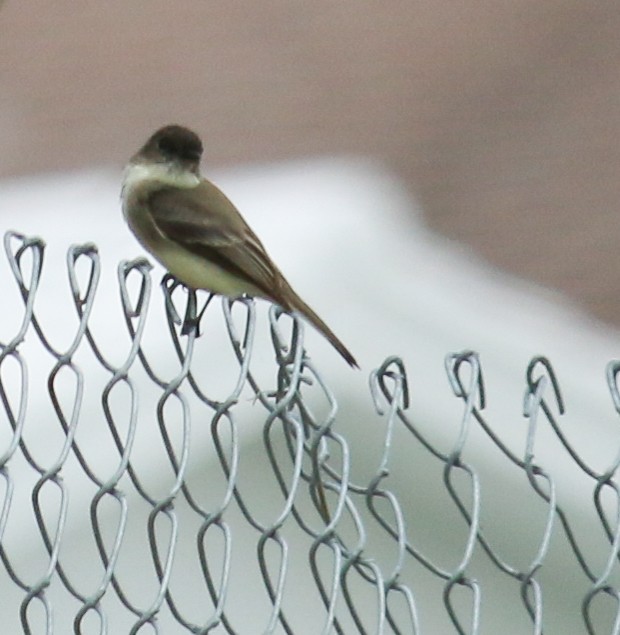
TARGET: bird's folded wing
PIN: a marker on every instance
(204, 221)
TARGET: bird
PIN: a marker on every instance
(193, 229)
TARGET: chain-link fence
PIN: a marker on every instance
(135, 500)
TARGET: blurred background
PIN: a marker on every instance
(441, 165)
(501, 116)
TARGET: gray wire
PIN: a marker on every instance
(311, 464)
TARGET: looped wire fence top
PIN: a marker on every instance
(227, 489)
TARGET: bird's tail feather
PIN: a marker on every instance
(295, 303)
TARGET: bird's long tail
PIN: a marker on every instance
(295, 303)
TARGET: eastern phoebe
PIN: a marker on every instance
(196, 233)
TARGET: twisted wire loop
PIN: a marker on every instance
(176, 535)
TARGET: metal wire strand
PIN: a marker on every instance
(321, 533)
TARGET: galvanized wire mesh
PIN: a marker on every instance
(167, 536)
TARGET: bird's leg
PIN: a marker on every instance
(191, 320)
(204, 308)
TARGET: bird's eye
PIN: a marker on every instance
(166, 145)
(193, 152)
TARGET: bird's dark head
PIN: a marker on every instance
(174, 144)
